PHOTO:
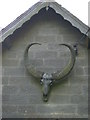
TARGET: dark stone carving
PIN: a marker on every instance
(47, 79)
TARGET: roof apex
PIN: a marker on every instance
(19, 21)
(47, 0)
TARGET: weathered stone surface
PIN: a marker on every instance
(9, 109)
(46, 54)
(79, 99)
(22, 94)
(83, 109)
(52, 109)
(6, 89)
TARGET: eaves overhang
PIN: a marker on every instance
(19, 21)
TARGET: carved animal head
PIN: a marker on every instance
(47, 79)
(46, 82)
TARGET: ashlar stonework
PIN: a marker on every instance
(22, 94)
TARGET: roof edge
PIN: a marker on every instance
(19, 21)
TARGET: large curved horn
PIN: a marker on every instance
(62, 74)
(30, 68)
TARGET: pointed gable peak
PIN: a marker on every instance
(27, 15)
(47, 0)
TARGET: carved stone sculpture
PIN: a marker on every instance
(47, 79)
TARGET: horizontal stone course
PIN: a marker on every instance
(31, 90)
(47, 69)
(59, 99)
(10, 89)
(82, 109)
(19, 80)
(22, 99)
(78, 80)
(30, 109)
(9, 55)
(9, 109)
(79, 99)
(67, 90)
(52, 109)
(22, 93)
(79, 71)
(50, 31)
(86, 69)
(10, 62)
(55, 62)
(54, 46)
(81, 62)
(85, 89)
(14, 71)
(5, 80)
(35, 62)
(45, 38)
(46, 54)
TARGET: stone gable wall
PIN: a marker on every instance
(22, 94)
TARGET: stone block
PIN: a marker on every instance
(59, 99)
(55, 62)
(54, 46)
(78, 80)
(79, 99)
(45, 38)
(85, 89)
(60, 89)
(14, 71)
(20, 81)
(10, 62)
(5, 80)
(55, 109)
(22, 99)
(30, 109)
(5, 99)
(82, 110)
(48, 31)
(69, 38)
(10, 89)
(47, 69)
(36, 62)
(79, 71)
(46, 54)
(7, 109)
(60, 38)
(86, 70)
(31, 90)
(16, 100)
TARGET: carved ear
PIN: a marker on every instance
(62, 74)
(30, 68)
